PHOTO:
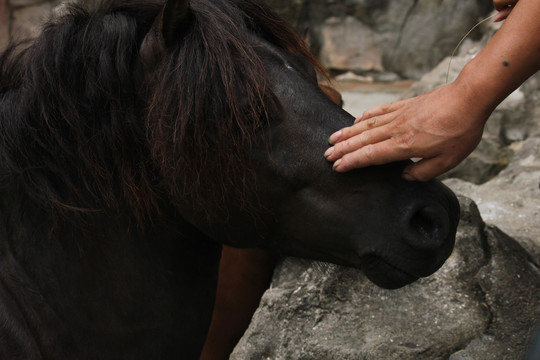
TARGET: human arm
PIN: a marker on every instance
(443, 126)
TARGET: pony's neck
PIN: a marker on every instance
(122, 279)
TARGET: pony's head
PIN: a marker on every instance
(239, 125)
(210, 108)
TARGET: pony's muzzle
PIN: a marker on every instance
(427, 227)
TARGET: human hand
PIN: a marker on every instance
(441, 127)
(504, 7)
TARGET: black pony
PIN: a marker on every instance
(139, 136)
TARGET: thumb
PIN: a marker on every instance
(503, 14)
(423, 170)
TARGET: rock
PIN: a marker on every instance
(28, 20)
(511, 200)
(356, 103)
(349, 45)
(429, 31)
(484, 163)
(464, 311)
(351, 76)
(407, 37)
(386, 77)
(4, 24)
(445, 72)
(511, 284)
(24, 3)
(22, 19)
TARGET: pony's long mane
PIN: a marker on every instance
(80, 132)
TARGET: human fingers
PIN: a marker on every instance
(379, 110)
(372, 154)
(503, 14)
(426, 169)
(355, 142)
(358, 128)
(501, 4)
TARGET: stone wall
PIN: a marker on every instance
(406, 37)
(21, 19)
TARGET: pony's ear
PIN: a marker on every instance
(176, 19)
(167, 29)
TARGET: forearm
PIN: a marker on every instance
(509, 58)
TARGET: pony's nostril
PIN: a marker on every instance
(428, 227)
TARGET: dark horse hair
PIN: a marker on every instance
(85, 126)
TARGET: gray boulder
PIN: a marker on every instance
(512, 199)
(407, 37)
(482, 304)
(425, 32)
(348, 44)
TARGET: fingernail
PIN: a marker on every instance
(335, 137)
(329, 152)
(336, 164)
(358, 119)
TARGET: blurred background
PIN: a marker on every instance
(380, 39)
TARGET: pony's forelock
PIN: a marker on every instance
(209, 98)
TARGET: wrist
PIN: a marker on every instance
(479, 90)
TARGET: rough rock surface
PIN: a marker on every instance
(512, 199)
(407, 37)
(464, 311)
(348, 44)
